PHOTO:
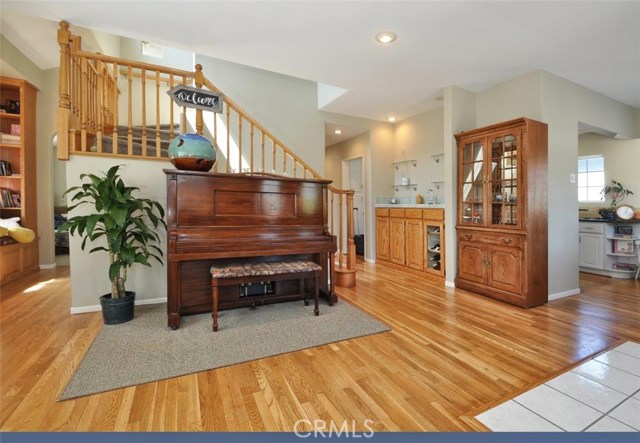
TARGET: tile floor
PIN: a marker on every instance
(600, 395)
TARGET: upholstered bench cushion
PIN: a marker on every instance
(262, 268)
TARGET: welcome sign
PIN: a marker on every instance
(196, 98)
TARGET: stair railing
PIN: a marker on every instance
(97, 92)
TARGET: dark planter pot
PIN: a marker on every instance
(117, 310)
(610, 216)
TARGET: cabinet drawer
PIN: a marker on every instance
(396, 212)
(433, 214)
(593, 228)
(382, 212)
(413, 213)
(490, 238)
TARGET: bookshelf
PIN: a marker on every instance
(18, 185)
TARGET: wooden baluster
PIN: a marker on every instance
(198, 78)
(332, 212)
(239, 143)
(100, 106)
(295, 168)
(171, 107)
(262, 148)
(215, 139)
(340, 236)
(115, 108)
(144, 112)
(351, 245)
(251, 162)
(158, 146)
(228, 139)
(64, 104)
(183, 128)
(84, 104)
(284, 161)
(273, 151)
(130, 115)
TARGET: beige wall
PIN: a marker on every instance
(621, 163)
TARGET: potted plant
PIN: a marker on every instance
(127, 226)
(617, 192)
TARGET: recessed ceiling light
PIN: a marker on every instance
(386, 37)
(338, 131)
(391, 119)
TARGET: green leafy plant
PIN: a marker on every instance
(617, 192)
(127, 224)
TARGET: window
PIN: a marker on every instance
(590, 178)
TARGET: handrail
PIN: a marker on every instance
(97, 92)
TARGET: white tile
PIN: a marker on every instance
(608, 424)
(621, 361)
(629, 348)
(628, 413)
(609, 376)
(560, 409)
(590, 392)
(512, 417)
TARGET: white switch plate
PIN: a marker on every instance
(572, 178)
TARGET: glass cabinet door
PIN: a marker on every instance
(472, 182)
(504, 192)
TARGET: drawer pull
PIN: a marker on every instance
(507, 240)
(468, 236)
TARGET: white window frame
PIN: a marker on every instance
(601, 198)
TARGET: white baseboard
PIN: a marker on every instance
(370, 260)
(49, 266)
(96, 308)
(564, 294)
(449, 284)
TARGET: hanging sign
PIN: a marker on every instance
(196, 98)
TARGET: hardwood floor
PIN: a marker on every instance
(449, 355)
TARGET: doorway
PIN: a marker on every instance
(353, 178)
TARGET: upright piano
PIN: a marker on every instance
(222, 218)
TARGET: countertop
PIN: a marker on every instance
(414, 205)
(602, 220)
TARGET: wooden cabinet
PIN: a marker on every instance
(414, 242)
(382, 234)
(18, 174)
(502, 212)
(396, 239)
(411, 237)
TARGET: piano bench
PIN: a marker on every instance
(246, 272)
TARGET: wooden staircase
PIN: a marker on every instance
(94, 89)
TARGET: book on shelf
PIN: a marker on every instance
(10, 139)
(5, 168)
(9, 199)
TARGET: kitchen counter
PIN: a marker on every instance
(413, 205)
(602, 220)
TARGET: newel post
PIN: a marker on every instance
(64, 104)
(198, 77)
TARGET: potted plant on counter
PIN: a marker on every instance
(617, 192)
(127, 226)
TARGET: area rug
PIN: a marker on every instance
(145, 349)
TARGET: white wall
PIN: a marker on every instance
(285, 106)
(621, 163)
(90, 272)
(419, 138)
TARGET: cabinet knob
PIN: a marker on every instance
(468, 236)
(507, 240)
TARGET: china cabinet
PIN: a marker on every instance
(502, 212)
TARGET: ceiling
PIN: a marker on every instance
(473, 45)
